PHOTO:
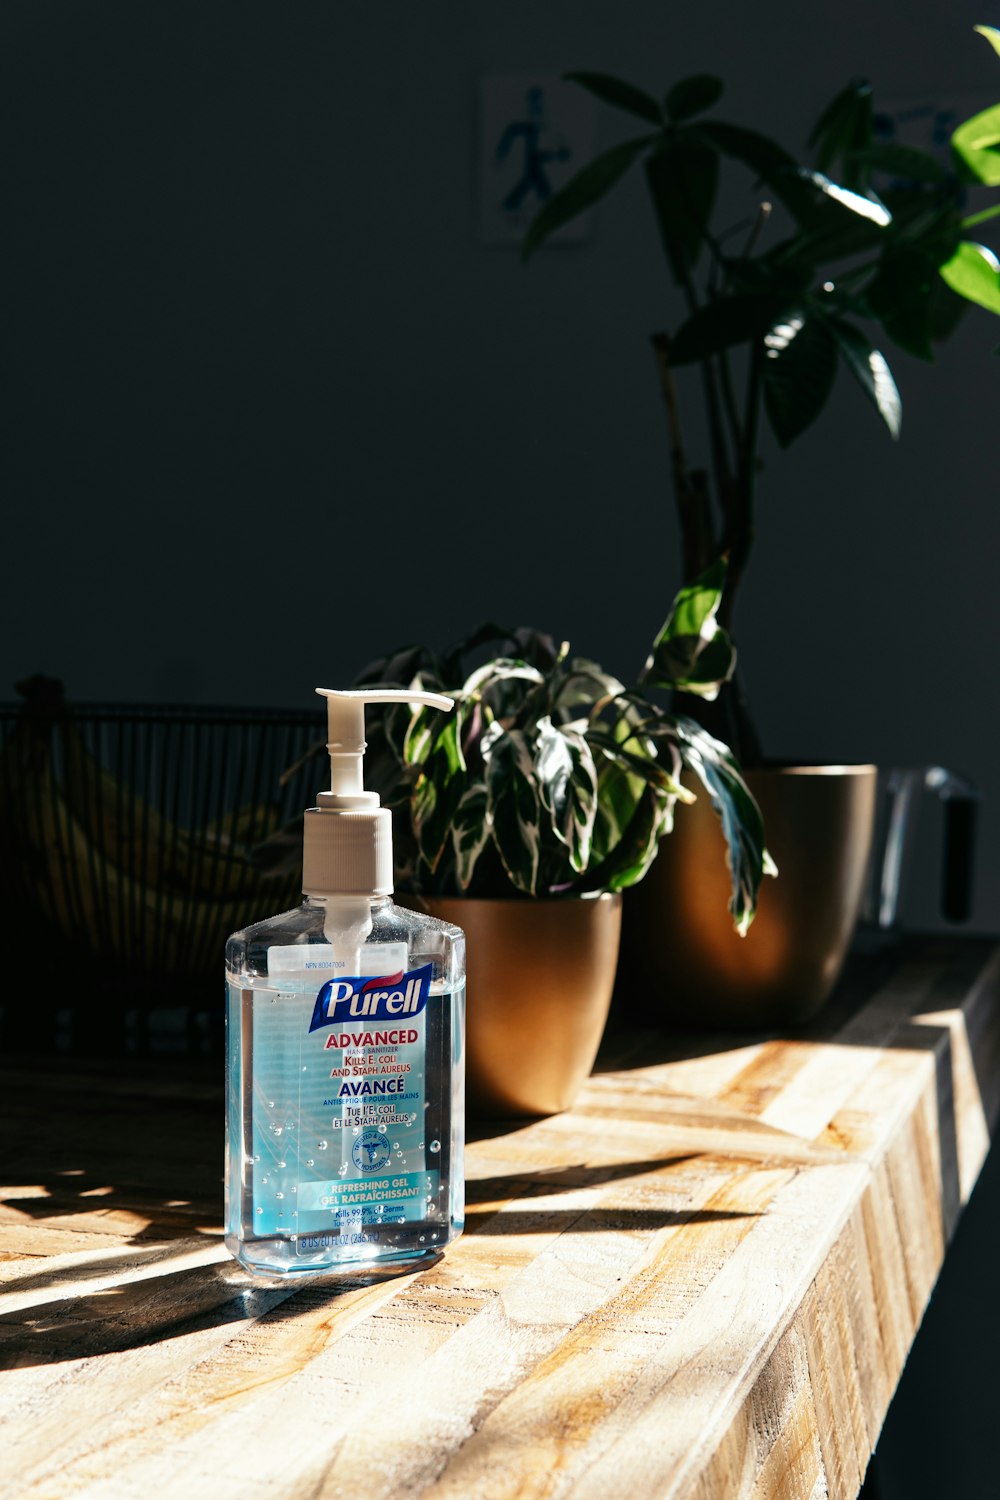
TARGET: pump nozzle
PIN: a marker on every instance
(346, 737)
(347, 846)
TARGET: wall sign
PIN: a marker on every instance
(536, 132)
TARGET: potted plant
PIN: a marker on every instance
(525, 812)
(869, 239)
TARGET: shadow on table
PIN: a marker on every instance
(125, 1316)
(486, 1194)
(961, 962)
(513, 1184)
(132, 1211)
(598, 1220)
(138, 1313)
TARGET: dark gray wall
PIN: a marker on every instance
(272, 407)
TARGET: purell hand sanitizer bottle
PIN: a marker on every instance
(345, 1048)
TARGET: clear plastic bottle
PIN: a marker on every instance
(345, 1059)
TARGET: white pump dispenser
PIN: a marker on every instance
(347, 836)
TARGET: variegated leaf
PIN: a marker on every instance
(423, 807)
(713, 764)
(652, 819)
(419, 737)
(583, 685)
(692, 652)
(567, 785)
(618, 793)
(499, 671)
(654, 764)
(470, 831)
(513, 808)
(439, 786)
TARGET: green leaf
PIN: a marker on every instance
(618, 793)
(553, 766)
(719, 325)
(764, 157)
(871, 371)
(583, 685)
(513, 809)
(974, 273)
(440, 783)
(974, 145)
(653, 817)
(899, 295)
(804, 192)
(768, 276)
(399, 668)
(532, 648)
(799, 367)
(582, 191)
(865, 205)
(449, 740)
(742, 824)
(991, 34)
(832, 235)
(844, 130)
(429, 819)
(419, 738)
(712, 664)
(682, 179)
(946, 309)
(501, 669)
(647, 766)
(470, 831)
(430, 733)
(697, 604)
(692, 95)
(692, 652)
(503, 686)
(619, 93)
(907, 162)
(923, 216)
(567, 785)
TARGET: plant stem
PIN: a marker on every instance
(729, 400)
(763, 214)
(691, 492)
(740, 533)
(981, 217)
(720, 456)
(727, 718)
(721, 466)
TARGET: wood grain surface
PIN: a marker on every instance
(701, 1282)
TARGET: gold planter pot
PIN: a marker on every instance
(681, 956)
(540, 979)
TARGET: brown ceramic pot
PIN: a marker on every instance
(681, 956)
(540, 979)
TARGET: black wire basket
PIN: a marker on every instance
(134, 840)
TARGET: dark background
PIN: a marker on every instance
(270, 406)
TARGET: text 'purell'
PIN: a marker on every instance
(388, 997)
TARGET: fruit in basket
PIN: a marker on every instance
(105, 866)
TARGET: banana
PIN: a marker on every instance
(93, 902)
(110, 872)
(154, 849)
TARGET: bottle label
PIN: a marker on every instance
(386, 997)
(338, 1133)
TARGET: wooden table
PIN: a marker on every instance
(702, 1282)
